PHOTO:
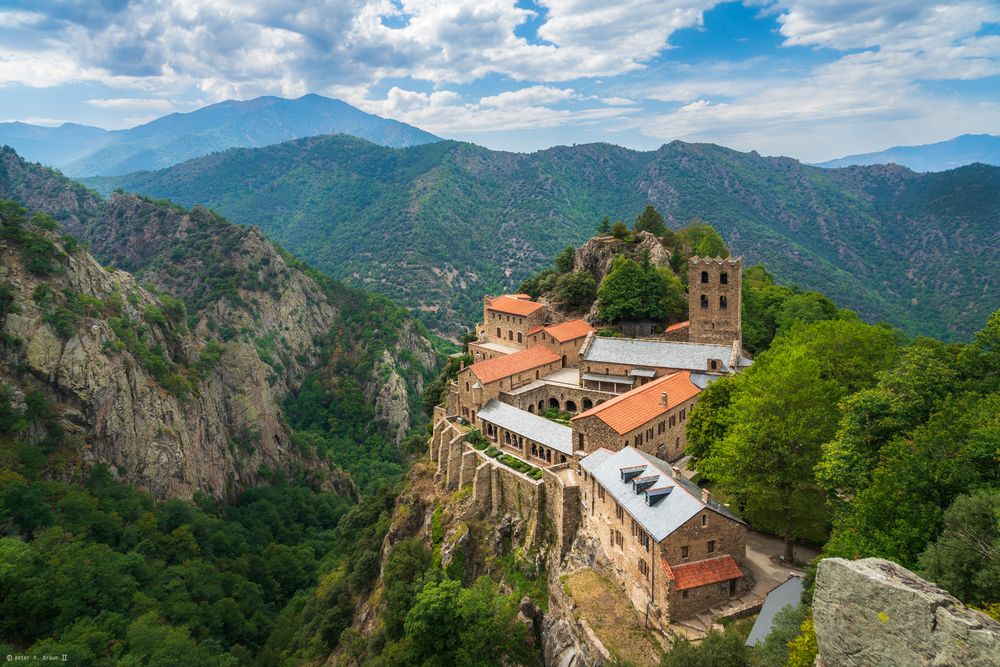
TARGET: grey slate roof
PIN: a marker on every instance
(541, 430)
(786, 594)
(667, 514)
(660, 354)
(617, 379)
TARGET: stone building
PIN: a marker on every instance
(483, 381)
(715, 301)
(535, 439)
(621, 364)
(677, 551)
(508, 318)
(565, 339)
(650, 418)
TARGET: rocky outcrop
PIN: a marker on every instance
(136, 390)
(389, 389)
(595, 256)
(875, 612)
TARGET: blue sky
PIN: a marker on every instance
(813, 79)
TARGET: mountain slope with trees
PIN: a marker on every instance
(439, 225)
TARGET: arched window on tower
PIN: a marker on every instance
(704, 302)
(723, 302)
(704, 276)
(723, 278)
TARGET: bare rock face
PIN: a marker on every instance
(595, 256)
(172, 434)
(876, 612)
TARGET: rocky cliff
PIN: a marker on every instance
(875, 612)
(174, 370)
(134, 387)
(595, 256)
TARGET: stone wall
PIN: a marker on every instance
(513, 328)
(876, 612)
(730, 537)
(471, 400)
(539, 399)
(562, 504)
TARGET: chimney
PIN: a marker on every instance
(663, 399)
(675, 471)
(704, 495)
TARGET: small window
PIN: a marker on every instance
(684, 552)
(600, 492)
(704, 520)
(619, 513)
(714, 364)
(683, 416)
(704, 276)
(466, 386)
(643, 567)
(710, 548)
(499, 335)
(684, 594)
(644, 539)
(519, 339)
(724, 278)
(704, 302)
(723, 302)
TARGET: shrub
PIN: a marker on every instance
(619, 230)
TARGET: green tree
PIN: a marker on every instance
(965, 559)
(576, 290)
(717, 649)
(709, 420)
(564, 260)
(767, 463)
(703, 240)
(631, 291)
(674, 300)
(604, 228)
(772, 651)
(403, 577)
(619, 230)
(650, 221)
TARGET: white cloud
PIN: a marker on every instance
(133, 103)
(532, 95)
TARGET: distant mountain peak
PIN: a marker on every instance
(939, 156)
(80, 150)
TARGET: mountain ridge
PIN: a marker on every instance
(963, 150)
(81, 150)
(437, 226)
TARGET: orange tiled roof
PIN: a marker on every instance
(513, 305)
(512, 364)
(702, 572)
(569, 330)
(534, 329)
(680, 325)
(634, 408)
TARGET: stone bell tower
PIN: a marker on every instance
(715, 300)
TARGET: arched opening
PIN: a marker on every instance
(534, 449)
(570, 406)
(554, 403)
(723, 278)
(599, 401)
(519, 339)
(562, 458)
(531, 408)
(541, 406)
(704, 302)
(704, 276)
(499, 335)
(510, 334)
(723, 302)
(506, 437)
(587, 404)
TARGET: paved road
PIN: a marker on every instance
(761, 552)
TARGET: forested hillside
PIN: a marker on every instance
(186, 461)
(437, 226)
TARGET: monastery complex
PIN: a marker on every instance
(585, 430)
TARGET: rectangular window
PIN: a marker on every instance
(710, 547)
(643, 568)
(644, 539)
(684, 552)
(600, 492)
(684, 594)
(619, 513)
(682, 414)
